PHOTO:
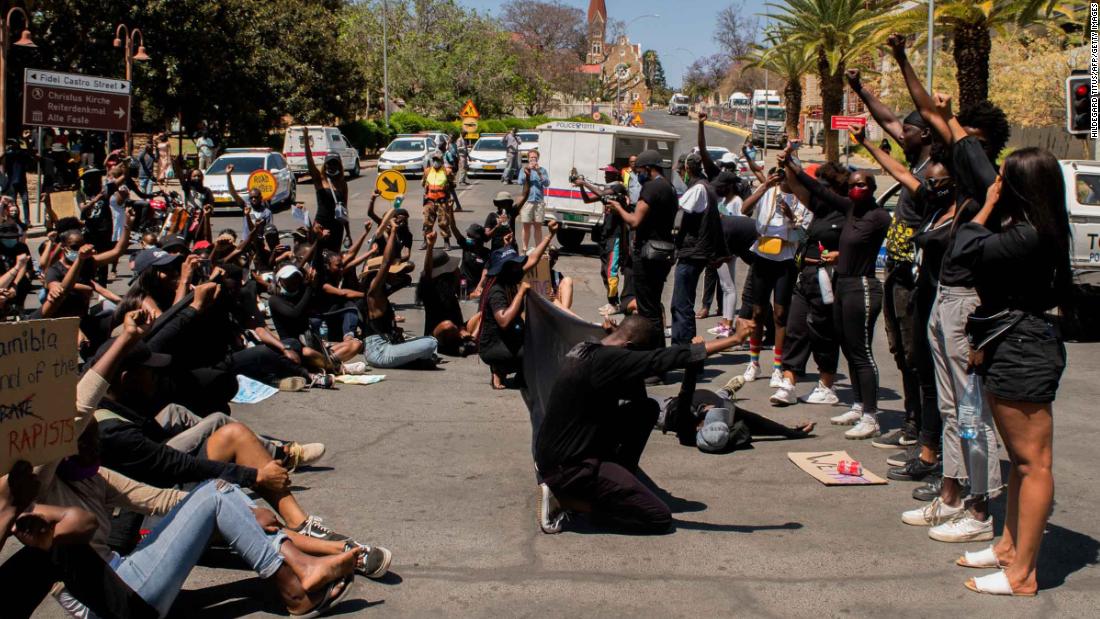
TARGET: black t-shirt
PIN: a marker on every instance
(8, 256)
(657, 225)
(326, 206)
(864, 228)
(491, 333)
(404, 241)
(580, 417)
(824, 231)
(474, 258)
(75, 303)
(973, 176)
(440, 298)
(290, 314)
(1014, 268)
(500, 231)
(907, 211)
(740, 233)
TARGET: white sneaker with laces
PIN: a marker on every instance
(751, 372)
(777, 379)
(932, 514)
(963, 528)
(784, 396)
(823, 395)
(850, 418)
(720, 331)
(866, 428)
(731, 387)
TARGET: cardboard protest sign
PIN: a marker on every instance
(39, 370)
(539, 277)
(821, 465)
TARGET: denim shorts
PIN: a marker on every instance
(1026, 363)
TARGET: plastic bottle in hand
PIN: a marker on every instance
(324, 331)
(970, 408)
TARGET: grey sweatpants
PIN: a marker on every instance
(950, 357)
(189, 431)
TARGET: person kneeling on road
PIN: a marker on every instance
(598, 419)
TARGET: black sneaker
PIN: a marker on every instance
(893, 439)
(930, 490)
(313, 527)
(901, 457)
(914, 470)
(374, 563)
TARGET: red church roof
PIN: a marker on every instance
(591, 69)
(597, 7)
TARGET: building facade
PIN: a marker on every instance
(617, 64)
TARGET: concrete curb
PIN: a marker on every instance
(729, 128)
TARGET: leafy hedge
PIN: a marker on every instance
(373, 135)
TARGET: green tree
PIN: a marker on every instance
(970, 26)
(789, 61)
(655, 78)
(837, 33)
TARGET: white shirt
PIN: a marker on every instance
(770, 221)
(694, 200)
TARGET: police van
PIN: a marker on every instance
(588, 148)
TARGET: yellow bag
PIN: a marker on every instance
(770, 245)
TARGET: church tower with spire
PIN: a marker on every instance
(597, 32)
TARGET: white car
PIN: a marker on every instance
(322, 141)
(246, 161)
(406, 154)
(488, 155)
(528, 141)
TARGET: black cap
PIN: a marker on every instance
(501, 257)
(9, 230)
(650, 159)
(476, 233)
(914, 118)
(139, 355)
(725, 180)
(174, 242)
(154, 257)
(442, 263)
(271, 229)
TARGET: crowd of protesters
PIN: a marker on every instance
(976, 257)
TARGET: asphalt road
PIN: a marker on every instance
(437, 467)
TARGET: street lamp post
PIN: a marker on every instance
(5, 44)
(385, 65)
(931, 36)
(125, 37)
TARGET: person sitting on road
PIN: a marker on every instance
(385, 342)
(438, 290)
(401, 218)
(501, 340)
(598, 420)
(260, 209)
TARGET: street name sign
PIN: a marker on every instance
(73, 101)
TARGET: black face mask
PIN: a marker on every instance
(940, 194)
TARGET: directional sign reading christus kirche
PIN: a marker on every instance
(74, 101)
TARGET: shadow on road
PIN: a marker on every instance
(1064, 552)
(691, 525)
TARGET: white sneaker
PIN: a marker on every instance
(823, 395)
(668, 332)
(866, 428)
(777, 379)
(850, 418)
(751, 372)
(963, 528)
(550, 513)
(720, 331)
(355, 368)
(784, 396)
(932, 514)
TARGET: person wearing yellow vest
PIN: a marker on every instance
(436, 206)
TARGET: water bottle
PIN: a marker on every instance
(970, 408)
(824, 282)
(323, 330)
(462, 286)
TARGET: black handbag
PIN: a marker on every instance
(664, 252)
(984, 330)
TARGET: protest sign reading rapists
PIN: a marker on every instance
(39, 370)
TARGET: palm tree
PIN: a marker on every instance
(970, 24)
(836, 33)
(790, 62)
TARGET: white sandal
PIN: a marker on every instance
(994, 584)
(982, 559)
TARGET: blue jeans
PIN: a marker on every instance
(157, 569)
(382, 354)
(685, 282)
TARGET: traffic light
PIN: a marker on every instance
(1079, 104)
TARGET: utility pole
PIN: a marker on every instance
(931, 36)
(385, 64)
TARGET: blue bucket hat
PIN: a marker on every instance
(501, 257)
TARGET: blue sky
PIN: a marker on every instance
(687, 26)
